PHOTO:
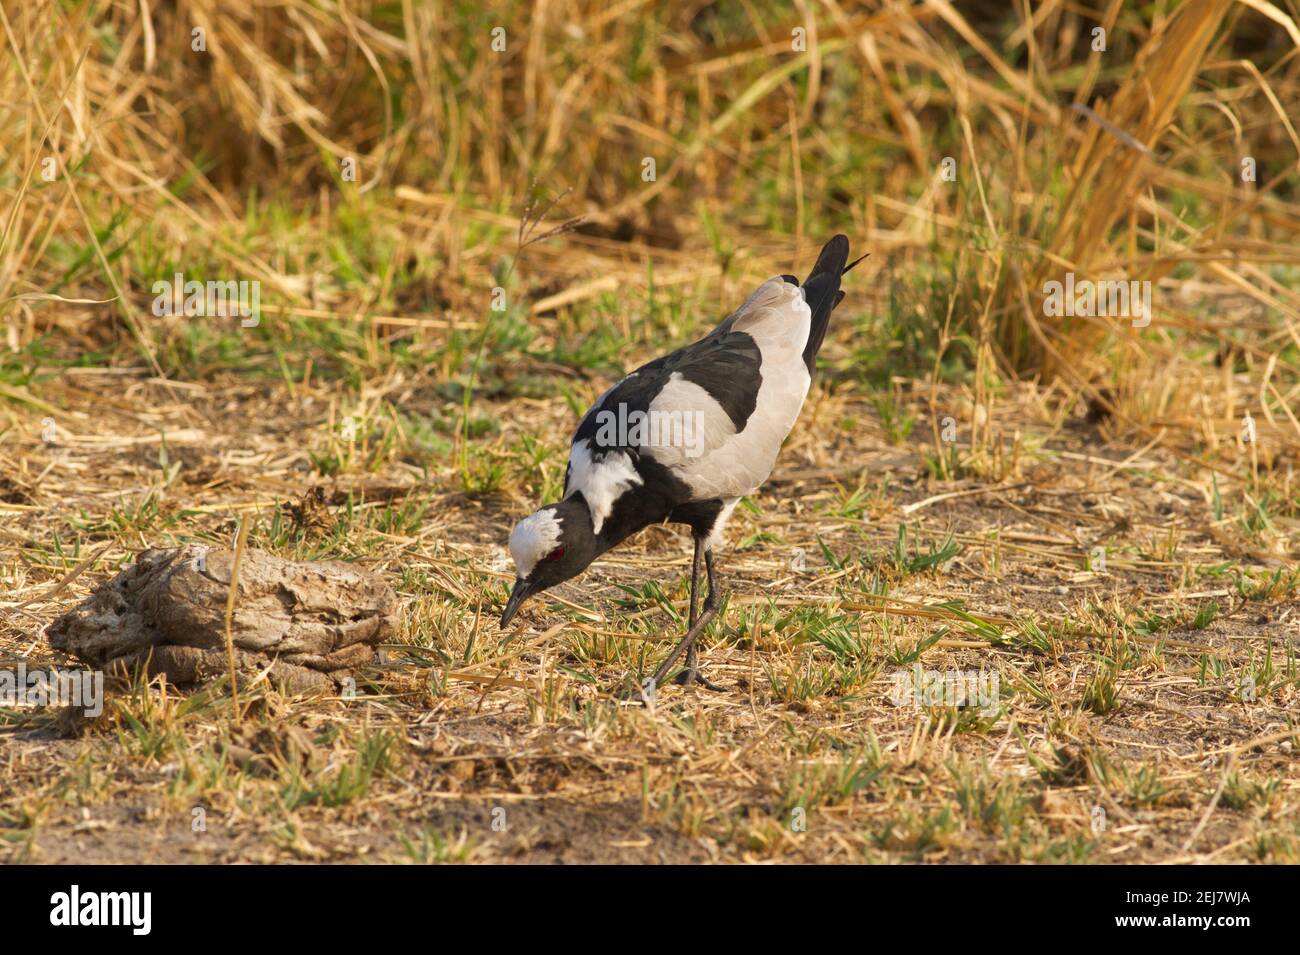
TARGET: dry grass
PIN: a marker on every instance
(1146, 705)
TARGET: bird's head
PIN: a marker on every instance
(549, 546)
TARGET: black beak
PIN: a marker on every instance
(522, 591)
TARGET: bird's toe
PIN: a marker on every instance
(693, 677)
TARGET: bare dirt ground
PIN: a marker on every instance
(1143, 647)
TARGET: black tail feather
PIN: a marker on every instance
(822, 292)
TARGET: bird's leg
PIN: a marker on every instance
(692, 672)
(696, 625)
(692, 653)
(713, 602)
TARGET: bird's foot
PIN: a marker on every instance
(692, 676)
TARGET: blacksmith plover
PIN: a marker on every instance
(683, 439)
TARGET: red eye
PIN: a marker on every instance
(555, 554)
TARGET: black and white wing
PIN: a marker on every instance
(711, 416)
(681, 405)
(737, 452)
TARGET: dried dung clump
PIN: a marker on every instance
(311, 623)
